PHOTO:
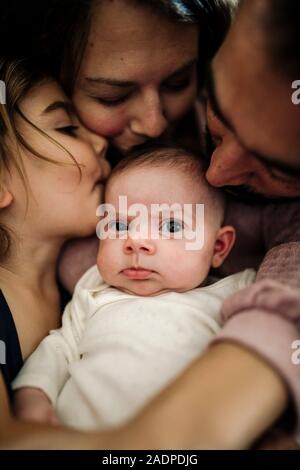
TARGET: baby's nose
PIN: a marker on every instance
(138, 245)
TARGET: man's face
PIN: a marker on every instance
(254, 124)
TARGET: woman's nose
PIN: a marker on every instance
(231, 164)
(139, 245)
(148, 119)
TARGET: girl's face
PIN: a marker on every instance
(138, 73)
(61, 204)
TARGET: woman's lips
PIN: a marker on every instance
(137, 273)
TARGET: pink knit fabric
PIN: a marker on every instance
(265, 317)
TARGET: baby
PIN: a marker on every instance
(148, 308)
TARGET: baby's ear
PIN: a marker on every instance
(6, 197)
(223, 245)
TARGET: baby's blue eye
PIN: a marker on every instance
(171, 226)
(118, 226)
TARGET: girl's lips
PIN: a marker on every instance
(137, 273)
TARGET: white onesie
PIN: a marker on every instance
(115, 351)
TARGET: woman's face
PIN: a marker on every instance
(61, 204)
(138, 73)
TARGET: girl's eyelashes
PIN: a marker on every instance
(68, 130)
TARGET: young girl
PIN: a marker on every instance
(51, 182)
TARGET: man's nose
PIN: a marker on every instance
(148, 119)
(139, 245)
(231, 164)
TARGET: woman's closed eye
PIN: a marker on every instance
(176, 86)
(113, 100)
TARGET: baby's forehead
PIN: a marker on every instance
(158, 184)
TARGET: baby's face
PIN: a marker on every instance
(136, 260)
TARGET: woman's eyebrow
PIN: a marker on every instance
(129, 83)
(109, 81)
(56, 105)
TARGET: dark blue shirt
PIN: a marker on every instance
(11, 359)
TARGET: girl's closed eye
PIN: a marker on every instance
(69, 130)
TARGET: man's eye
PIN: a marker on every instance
(282, 175)
(171, 226)
(69, 130)
(118, 226)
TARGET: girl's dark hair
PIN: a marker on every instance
(67, 26)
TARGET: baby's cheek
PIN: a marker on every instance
(102, 258)
(197, 266)
(108, 259)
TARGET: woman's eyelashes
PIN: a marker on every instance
(113, 100)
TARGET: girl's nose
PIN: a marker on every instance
(98, 142)
(100, 146)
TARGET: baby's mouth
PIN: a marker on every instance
(137, 273)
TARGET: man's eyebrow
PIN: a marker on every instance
(129, 83)
(213, 101)
(266, 160)
(56, 105)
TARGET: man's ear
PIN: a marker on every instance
(6, 197)
(223, 245)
